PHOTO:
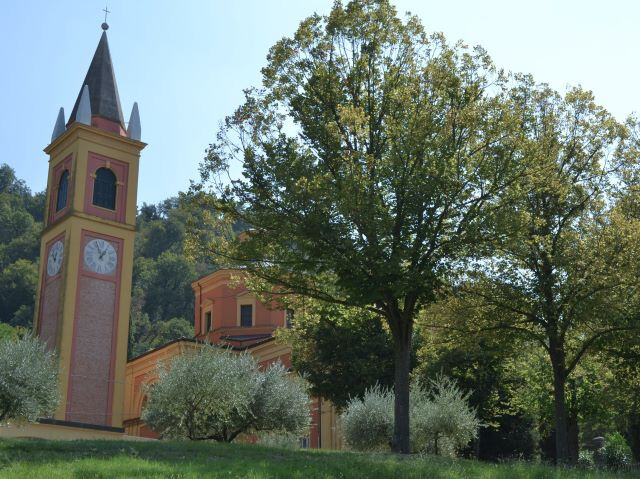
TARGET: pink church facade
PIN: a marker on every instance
(226, 313)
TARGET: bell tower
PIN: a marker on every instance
(86, 250)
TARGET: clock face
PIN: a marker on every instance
(54, 261)
(100, 256)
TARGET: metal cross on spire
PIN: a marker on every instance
(105, 25)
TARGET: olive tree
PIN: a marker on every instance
(28, 380)
(216, 394)
(367, 423)
(441, 419)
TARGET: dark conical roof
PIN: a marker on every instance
(103, 91)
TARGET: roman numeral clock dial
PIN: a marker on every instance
(100, 256)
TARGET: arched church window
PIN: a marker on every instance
(104, 189)
(63, 187)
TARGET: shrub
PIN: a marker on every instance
(616, 452)
(367, 423)
(282, 440)
(281, 403)
(586, 459)
(215, 394)
(28, 380)
(441, 419)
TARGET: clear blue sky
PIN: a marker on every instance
(186, 63)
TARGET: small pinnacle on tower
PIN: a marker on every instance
(134, 130)
(83, 113)
(59, 127)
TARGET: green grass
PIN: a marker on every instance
(34, 459)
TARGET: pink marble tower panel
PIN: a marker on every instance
(50, 313)
(90, 383)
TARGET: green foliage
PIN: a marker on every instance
(480, 364)
(17, 292)
(163, 270)
(164, 267)
(592, 398)
(283, 440)
(161, 228)
(20, 216)
(616, 452)
(28, 380)
(216, 394)
(21, 194)
(585, 459)
(373, 157)
(441, 420)
(148, 335)
(563, 272)
(8, 332)
(367, 423)
(165, 283)
(621, 393)
(334, 348)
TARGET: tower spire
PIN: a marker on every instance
(103, 91)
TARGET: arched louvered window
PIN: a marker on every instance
(104, 189)
(63, 188)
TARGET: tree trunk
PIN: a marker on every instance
(560, 410)
(573, 430)
(400, 442)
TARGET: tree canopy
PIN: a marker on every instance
(21, 219)
(564, 270)
(372, 158)
(341, 351)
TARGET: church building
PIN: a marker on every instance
(227, 314)
(84, 292)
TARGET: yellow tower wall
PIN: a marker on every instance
(81, 143)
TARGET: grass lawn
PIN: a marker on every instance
(34, 459)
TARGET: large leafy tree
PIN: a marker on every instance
(372, 156)
(565, 271)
